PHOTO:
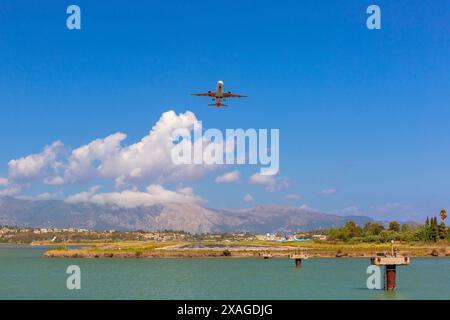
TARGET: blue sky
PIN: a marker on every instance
(364, 113)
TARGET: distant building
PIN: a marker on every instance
(319, 237)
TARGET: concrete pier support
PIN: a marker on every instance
(298, 259)
(390, 264)
(389, 280)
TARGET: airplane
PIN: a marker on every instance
(219, 95)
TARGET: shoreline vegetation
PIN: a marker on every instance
(350, 240)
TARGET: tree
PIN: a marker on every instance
(426, 230)
(442, 231)
(347, 232)
(372, 229)
(405, 227)
(394, 226)
(351, 230)
(434, 229)
(388, 235)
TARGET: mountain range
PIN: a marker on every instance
(193, 218)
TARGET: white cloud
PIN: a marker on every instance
(40, 197)
(151, 157)
(258, 178)
(327, 192)
(54, 181)
(248, 198)
(3, 182)
(308, 208)
(84, 161)
(10, 190)
(37, 165)
(229, 177)
(146, 161)
(84, 196)
(292, 197)
(154, 194)
(271, 183)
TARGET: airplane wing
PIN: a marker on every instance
(207, 94)
(231, 95)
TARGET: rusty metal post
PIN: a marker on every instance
(390, 277)
(298, 263)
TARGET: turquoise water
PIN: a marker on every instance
(25, 274)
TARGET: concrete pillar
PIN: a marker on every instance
(390, 277)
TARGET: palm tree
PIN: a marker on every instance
(443, 215)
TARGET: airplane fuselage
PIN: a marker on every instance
(219, 94)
